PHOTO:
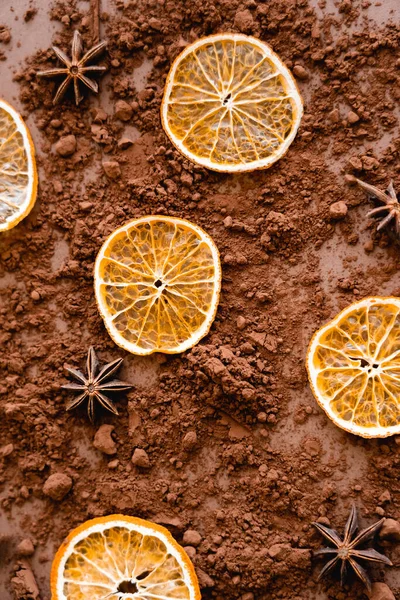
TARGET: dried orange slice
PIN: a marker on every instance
(122, 558)
(230, 104)
(353, 366)
(18, 177)
(157, 284)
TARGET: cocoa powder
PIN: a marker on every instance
(228, 442)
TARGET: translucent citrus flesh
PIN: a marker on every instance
(157, 284)
(117, 559)
(17, 169)
(231, 103)
(354, 364)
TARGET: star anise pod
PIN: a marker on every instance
(347, 551)
(96, 385)
(390, 205)
(75, 68)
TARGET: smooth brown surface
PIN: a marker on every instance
(265, 461)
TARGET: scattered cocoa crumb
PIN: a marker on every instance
(103, 440)
(338, 210)
(57, 486)
(66, 145)
(140, 458)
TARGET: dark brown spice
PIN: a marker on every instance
(390, 204)
(75, 69)
(96, 385)
(95, 9)
(347, 550)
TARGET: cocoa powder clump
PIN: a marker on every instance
(57, 486)
(66, 146)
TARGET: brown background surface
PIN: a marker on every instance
(267, 461)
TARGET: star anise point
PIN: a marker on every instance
(76, 68)
(390, 204)
(349, 550)
(96, 385)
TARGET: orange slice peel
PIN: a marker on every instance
(121, 557)
(18, 175)
(157, 284)
(353, 365)
(230, 104)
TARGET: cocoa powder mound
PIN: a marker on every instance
(225, 441)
